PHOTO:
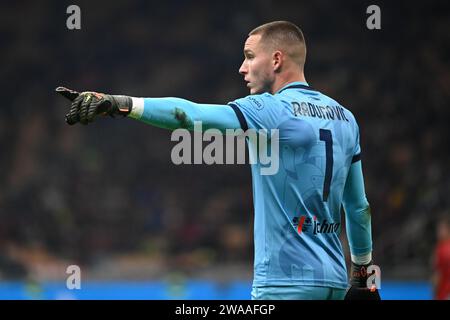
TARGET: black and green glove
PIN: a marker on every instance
(86, 106)
(359, 289)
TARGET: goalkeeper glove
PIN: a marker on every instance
(87, 105)
(359, 289)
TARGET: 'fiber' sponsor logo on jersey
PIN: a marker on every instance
(304, 224)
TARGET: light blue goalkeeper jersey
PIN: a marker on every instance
(298, 209)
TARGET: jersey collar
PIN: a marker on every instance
(296, 85)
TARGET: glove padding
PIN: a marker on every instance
(358, 289)
(87, 105)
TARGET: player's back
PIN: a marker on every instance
(297, 209)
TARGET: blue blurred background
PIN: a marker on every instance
(195, 290)
(107, 198)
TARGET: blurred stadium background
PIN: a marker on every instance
(107, 198)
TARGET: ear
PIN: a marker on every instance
(277, 60)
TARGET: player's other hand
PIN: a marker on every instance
(86, 106)
(359, 289)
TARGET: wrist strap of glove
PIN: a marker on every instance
(121, 105)
(359, 274)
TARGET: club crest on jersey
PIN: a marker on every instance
(305, 224)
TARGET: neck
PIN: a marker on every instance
(286, 78)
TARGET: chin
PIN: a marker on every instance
(254, 91)
(259, 90)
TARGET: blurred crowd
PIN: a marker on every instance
(109, 192)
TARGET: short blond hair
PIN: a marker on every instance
(284, 36)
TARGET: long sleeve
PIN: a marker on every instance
(174, 113)
(357, 212)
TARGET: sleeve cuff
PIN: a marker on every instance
(362, 259)
(137, 108)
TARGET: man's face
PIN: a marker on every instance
(257, 66)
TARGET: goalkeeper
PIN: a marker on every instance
(297, 213)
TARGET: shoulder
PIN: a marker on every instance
(347, 112)
(335, 102)
(444, 247)
(257, 102)
(259, 110)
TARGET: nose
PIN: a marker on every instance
(243, 69)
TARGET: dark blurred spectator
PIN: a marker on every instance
(441, 277)
(89, 193)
